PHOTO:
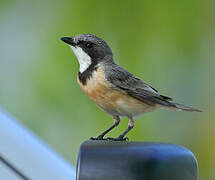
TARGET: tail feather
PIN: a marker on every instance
(186, 108)
(166, 98)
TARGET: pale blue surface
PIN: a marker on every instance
(27, 153)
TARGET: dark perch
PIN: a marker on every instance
(109, 160)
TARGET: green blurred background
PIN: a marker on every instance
(168, 44)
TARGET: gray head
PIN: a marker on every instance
(89, 49)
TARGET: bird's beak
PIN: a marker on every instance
(68, 40)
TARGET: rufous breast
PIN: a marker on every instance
(111, 99)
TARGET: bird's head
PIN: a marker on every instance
(88, 49)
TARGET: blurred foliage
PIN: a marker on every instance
(168, 44)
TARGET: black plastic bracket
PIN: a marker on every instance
(110, 160)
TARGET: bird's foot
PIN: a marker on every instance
(98, 138)
(118, 139)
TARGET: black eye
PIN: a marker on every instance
(89, 45)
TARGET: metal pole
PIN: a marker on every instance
(24, 156)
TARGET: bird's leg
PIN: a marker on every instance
(101, 136)
(122, 136)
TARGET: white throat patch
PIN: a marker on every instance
(83, 58)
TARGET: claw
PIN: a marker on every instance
(118, 139)
(98, 138)
(126, 139)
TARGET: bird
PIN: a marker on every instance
(113, 89)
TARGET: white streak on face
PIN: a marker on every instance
(83, 58)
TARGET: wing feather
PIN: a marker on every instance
(134, 87)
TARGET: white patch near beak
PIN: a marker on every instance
(83, 58)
